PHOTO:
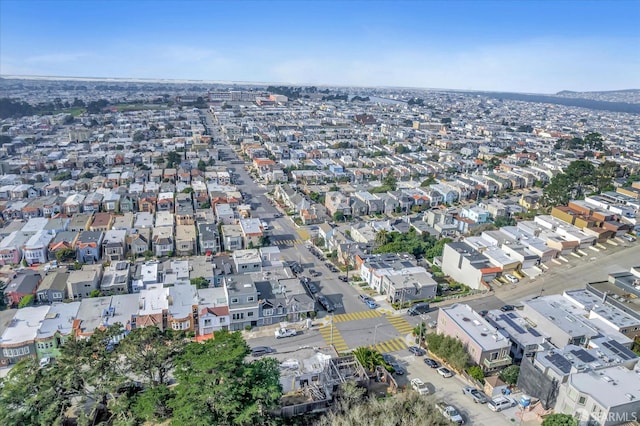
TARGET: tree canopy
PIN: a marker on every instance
(97, 380)
(559, 420)
(580, 178)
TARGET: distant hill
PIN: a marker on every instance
(596, 100)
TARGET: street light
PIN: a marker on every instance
(375, 331)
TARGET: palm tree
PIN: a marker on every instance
(369, 358)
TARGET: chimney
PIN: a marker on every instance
(604, 297)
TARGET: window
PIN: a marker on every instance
(238, 316)
(267, 312)
(251, 299)
(250, 314)
(207, 322)
(582, 400)
(234, 300)
(223, 320)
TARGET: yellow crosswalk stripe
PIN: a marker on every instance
(334, 337)
(353, 316)
(400, 324)
(392, 345)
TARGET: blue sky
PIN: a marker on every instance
(527, 46)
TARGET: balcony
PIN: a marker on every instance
(497, 363)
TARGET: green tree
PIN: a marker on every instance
(382, 237)
(95, 293)
(406, 408)
(449, 349)
(216, 385)
(557, 419)
(173, 158)
(265, 241)
(501, 221)
(65, 254)
(25, 301)
(510, 374)
(32, 396)
(476, 372)
(338, 216)
(369, 358)
(200, 282)
(62, 176)
(420, 331)
(187, 190)
(202, 166)
(428, 181)
(150, 353)
(153, 405)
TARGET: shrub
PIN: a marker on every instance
(476, 372)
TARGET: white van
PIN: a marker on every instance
(499, 403)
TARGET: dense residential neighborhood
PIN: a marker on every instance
(203, 209)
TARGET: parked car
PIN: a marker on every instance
(499, 403)
(285, 332)
(431, 363)
(419, 386)
(326, 303)
(343, 278)
(312, 287)
(371, 304)
(388, 358)
(261, 350)
(418, 308)
(629, 238)
(450, 412)
(365, 298)
(445, 372)
(507, 308)
(483, 313)
(416, 351)
(397, 368)
(313, 273)
(478, 396)
(511, 278)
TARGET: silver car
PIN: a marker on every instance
(478, 396)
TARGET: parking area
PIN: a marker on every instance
(450, 390)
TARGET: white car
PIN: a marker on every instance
(285, 332)
(512, 279)
(445, 372)
(450, 412)
(499, 403)
(419, 386)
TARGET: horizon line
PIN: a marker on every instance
(258, 83)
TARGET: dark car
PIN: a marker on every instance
(397, 368)
(388, 358)
(507, 308)
(343, 278)
(314, 273)
(431, 363)
(334, 269)
(416, 350)
(325, 303)
(483, 313)
(261, 350)
(312, 288)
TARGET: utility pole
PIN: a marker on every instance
(332, 329)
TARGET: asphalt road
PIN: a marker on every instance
(355, 325)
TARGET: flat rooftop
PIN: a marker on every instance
(479, 329)
(610, 386)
